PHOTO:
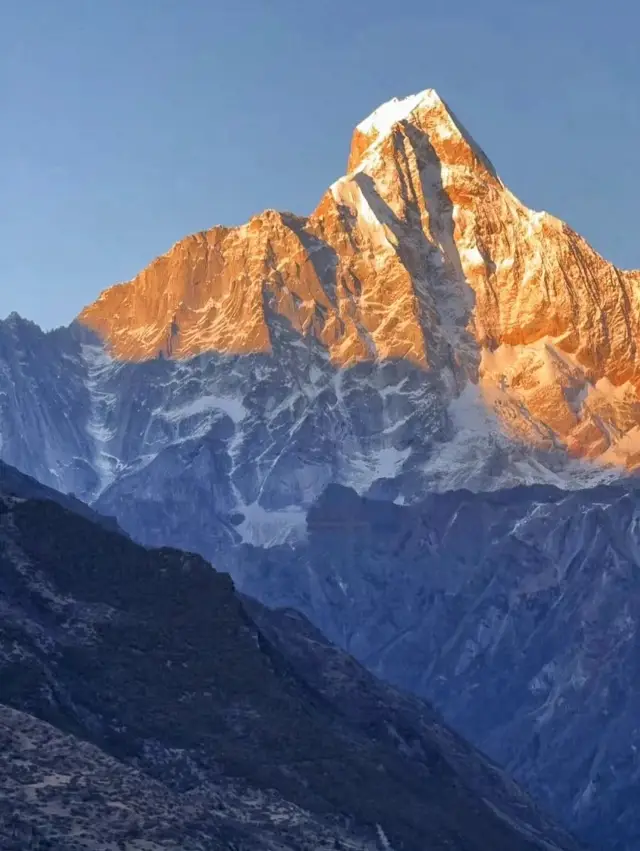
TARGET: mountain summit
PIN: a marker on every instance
(420, 253)
(361, 274)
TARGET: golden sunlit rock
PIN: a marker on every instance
(419, 252)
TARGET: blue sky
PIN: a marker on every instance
(127, 124)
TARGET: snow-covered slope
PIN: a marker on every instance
(207, 451)
(421, 330)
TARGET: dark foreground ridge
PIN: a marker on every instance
(145, 705)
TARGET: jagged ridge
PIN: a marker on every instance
(419, 253)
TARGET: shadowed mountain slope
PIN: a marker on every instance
(515, 612)
(143, 701)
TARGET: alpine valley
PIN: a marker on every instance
(414, 416)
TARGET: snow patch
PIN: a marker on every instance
(204, 405)
(388, 462)
(382, 120)
(271, 528)
(102, 404)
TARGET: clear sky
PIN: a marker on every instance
(126, 124)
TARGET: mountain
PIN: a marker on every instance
(515, 612)
(145, 704)
(421, 330)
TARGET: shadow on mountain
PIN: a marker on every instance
(515, 612)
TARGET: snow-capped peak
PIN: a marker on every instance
(382, 120)
(418, 255)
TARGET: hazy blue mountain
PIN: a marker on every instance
(516, 613)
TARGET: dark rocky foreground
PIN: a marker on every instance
(146, 705)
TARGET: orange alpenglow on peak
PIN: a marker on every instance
(421, 253)
(382, 121)
(341, 275)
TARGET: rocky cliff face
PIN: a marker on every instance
(421, 254)
(515, 612)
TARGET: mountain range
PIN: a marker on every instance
(412, 416)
